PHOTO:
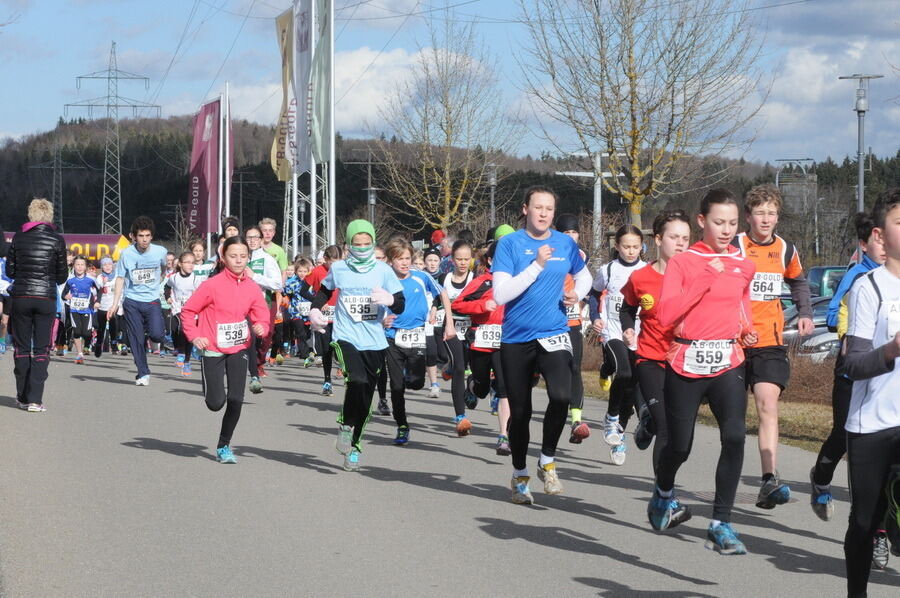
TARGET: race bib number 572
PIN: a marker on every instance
(560, 342)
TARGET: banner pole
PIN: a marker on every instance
(210, 222)
(227, 153)
(332, 190)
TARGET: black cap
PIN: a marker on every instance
(566, 222)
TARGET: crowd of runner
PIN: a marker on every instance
(701, 322)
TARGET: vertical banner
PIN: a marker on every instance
(229, 165)
(203, 200)
(283, 148)
(320, 86)
(303, 56)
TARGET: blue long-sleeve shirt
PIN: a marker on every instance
(834, 306)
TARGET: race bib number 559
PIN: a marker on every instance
(705, 358)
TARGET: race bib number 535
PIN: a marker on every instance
(360, 307)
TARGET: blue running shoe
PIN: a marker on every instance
(344, 443)
(724, 539)
(2, 347)
(402, 435)
(471, 400)
(326, 389)
(179, 361)
(224, 455)
(351, 461)
(186, 369)
(821, 501)
(495, 404)
(773, 493)
(666, 513)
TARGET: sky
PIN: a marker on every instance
(190, 48)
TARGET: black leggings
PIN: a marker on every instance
(623, 394)
(520, 361)
(577, 351)
(870, 457)
(81, 327)
(224, 378)
(835, 446)
(104, 324)
(651, 376)
(728, 400)
(179, 341)
(483, 362)
(431, 351)
(455, 352)
(407, 369)
(324, 350)
(301, 333)
(361, 369)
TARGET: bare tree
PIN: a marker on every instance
(450, 122)
(656, 85)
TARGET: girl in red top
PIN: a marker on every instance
(477, 301)
(706, 297)
(322, 341)
(672, 234)
(214, 319)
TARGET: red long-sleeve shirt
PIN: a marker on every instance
(706, 305)
(472, 302)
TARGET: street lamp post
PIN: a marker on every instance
(862, 105)
(492, 181)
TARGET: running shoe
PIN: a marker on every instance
(279, 359)
(521, 493)
(36, 408)
(317, 360)
(618, 452)
(612, 431)
(724, 539)
(21, 405)
(326, 390)
(435, 391)
(471, 400)
(463, 425)
(643, 434)
(402, 436)
(60, 352)
(383, 408)
(224, 455)
(447, 374)
(495, 404)
(270, 360)
(308, 362)
(773, 493)
(666, 513)
(351, 461)
(580, 431)
(142, 381)
(344, 442)
(547, 474)
(186, 369)
(503, 446)
(179, 361)
(880, 551)
(261, 372)
(255, 385)
(79, 360)
(2, 347)
(821, 501)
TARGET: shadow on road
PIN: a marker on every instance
(571, 540)
(438, 481)
(127, 382)
(179, 449)
(611, 588)
(289, 458)
(839, 493)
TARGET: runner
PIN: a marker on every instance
(107, 323)
(366, 286)
(322, 340)
(138, 276)
(453, 350)
(179, 288)
(871, 354)
(672, 235)
(432, 263)
(5, 282)
(618, 358)
(568, 225)
(268, 228)
(405, 355)
(301, 296)
(80, 293)
(268, 276)
(382, 387)
(767, 367)
(203, 267)
(706, 297)
(477, 301)
(215, 319)
(835, 446)
(529, 268)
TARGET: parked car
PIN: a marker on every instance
(819, 347)
(823, 282)
(791, 336)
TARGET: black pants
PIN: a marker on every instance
(624, 390)
(577, 352)
(81, 326)
(483, 362)
(105, 325)
(217, 372)
(835, 446)
(31, 324)
(454, 351)
(179, 341)
(431, 351)
(361, 369)
(324, 350)
(651, 377)
(520, 361)
(728, 401)
(301, 333)
(278, 339)
(870, 457)
(407, 369)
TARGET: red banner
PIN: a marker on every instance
(203, 201)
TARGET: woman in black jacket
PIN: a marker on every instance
(37, 264)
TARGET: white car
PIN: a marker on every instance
(820, 347)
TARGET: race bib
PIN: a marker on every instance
(462, 326)
(765, 286)
(439, 319)
(79, 303)
(360, 307)
(573, 312)
(488, 336)
(614, 301)
(328, 312)
(429, 329)
(304, 308)
(413, 338)
(560, 342)
(707, 357)
(893, 313)
(144, 275)
(232, 335)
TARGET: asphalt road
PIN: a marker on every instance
(114, 491)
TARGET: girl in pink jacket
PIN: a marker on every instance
(215, 320)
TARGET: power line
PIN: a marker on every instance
(233, 42)
(184, 33)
